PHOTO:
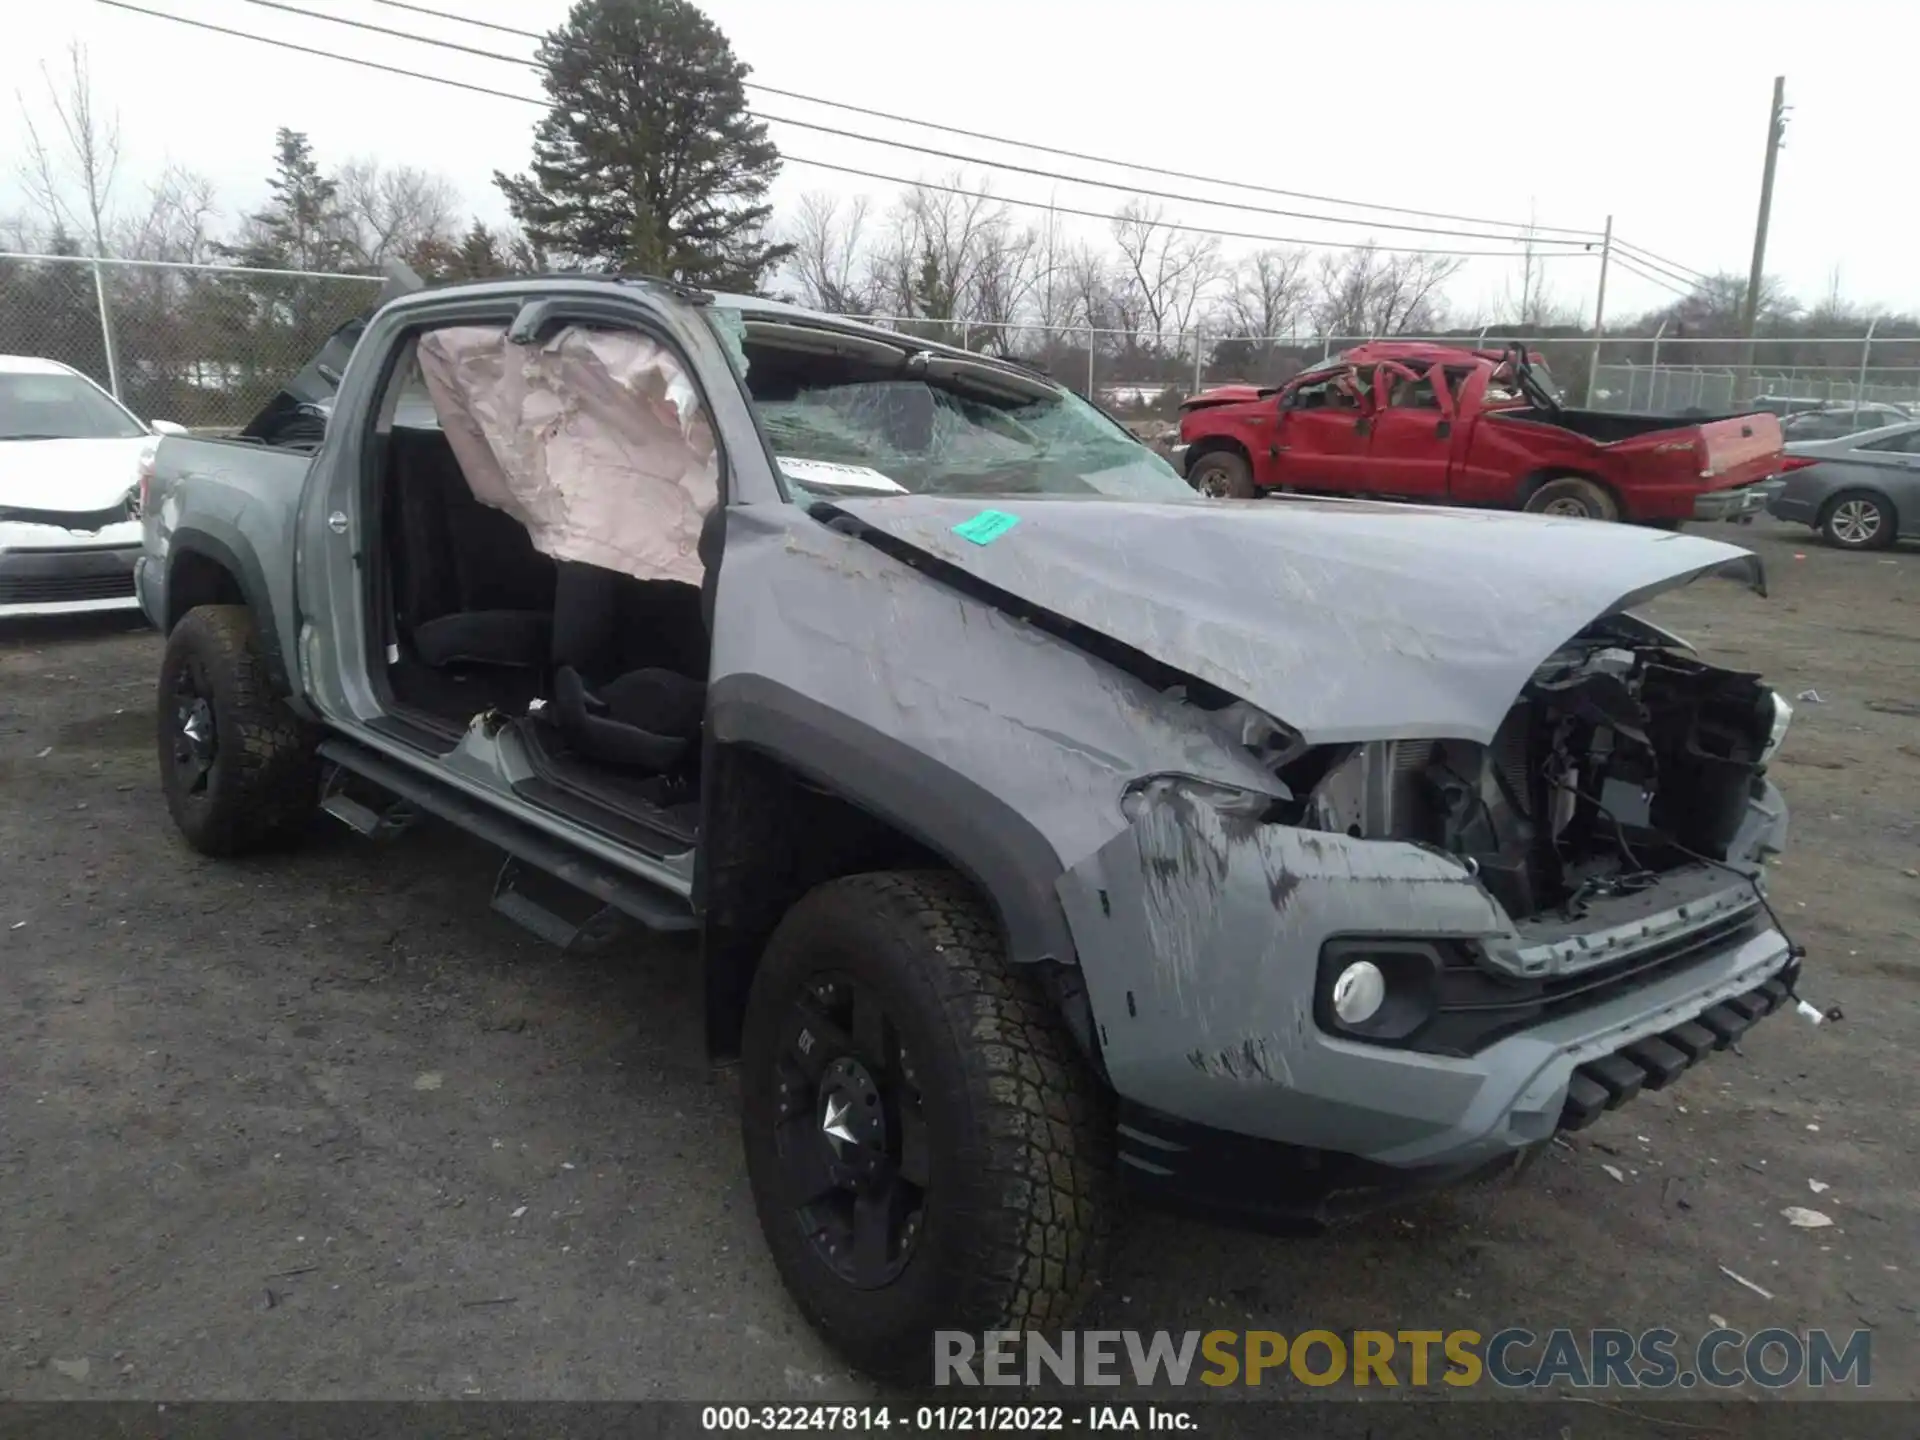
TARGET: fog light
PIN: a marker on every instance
(1358, 992)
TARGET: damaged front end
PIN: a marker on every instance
(1622, 764)
(1415, 957)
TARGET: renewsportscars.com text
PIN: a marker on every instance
(1509, 1359)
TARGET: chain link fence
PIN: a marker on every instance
(1716, 390)
(204, 346)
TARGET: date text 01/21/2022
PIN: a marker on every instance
(951, 1419)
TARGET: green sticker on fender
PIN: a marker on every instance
(986, 527)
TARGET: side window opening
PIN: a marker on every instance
(1413, 392)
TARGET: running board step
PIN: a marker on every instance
(620, 894)
(393, 819)
(534, 900)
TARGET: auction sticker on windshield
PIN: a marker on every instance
(827, 475)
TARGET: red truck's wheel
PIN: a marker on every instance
(1573, 497)
(1223, 475)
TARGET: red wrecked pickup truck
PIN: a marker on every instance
(1411, 421)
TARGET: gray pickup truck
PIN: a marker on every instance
(1045, 826)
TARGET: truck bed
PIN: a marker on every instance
(1731, 446)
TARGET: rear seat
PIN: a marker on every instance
(468, 586)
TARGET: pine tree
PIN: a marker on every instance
(300, 228)
(648, 159)
(278, 322)
(479, 256)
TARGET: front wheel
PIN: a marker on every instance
(1574, 498)
(1222, 475)
(238, 768)
(927, 1149)
(1858, 520)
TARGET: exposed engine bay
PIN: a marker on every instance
(1622, 759)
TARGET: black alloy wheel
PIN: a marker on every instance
(851, 1132)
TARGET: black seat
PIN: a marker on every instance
(631, 659)
(469, 588)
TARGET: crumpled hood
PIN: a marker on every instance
(71, 477)
(1345, 620)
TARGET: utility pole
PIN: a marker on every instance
(1599, 311)
(1776, 131)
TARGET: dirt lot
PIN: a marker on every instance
(324, 1126)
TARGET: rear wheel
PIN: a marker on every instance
(927, 1149)
(1858, 520)
(1573, 497)
(238, 768)
(1222, 475)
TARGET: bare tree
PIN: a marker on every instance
(394, 212)
(83, 156)
(1004, 281)
(1537, 307)
(1169, 271)
(830, 259)
(177, 224)
(1097, 296)
(1052, 296)
(1366, 293)
(941, 239)
(1269, 293)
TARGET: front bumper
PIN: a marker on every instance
(68, 579)
(1200, 938)
(1270, 1185)
(1177, 457)
(1739, 504)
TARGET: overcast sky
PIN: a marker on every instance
(1655, 113)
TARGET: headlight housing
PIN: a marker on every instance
(1782, 718)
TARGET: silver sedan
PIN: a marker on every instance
(1861, 492)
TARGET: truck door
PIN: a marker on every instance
(1321, 440)
(1412, 439)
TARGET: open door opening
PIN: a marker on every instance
(548, 515)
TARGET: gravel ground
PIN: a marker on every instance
(323, 1126)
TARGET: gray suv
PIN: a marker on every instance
(1045, 826)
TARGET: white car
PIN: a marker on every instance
(70, 461)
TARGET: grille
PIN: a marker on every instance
(1476, 1007)
(57, 589)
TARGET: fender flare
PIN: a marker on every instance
(226, 547)
(985, 839)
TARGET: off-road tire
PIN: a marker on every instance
(1845, 538)
(263, 784)
(1227, 470)
(1560, 494)
(1019, 1135)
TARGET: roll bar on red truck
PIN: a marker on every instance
(1414, 421)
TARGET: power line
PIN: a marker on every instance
(935, 152)
(1683, 273)
(1528, 227)
(790, 158)
(1645, 254)
(1625, 264)
(1052, 208)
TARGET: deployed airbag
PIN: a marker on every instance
(595, 440)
